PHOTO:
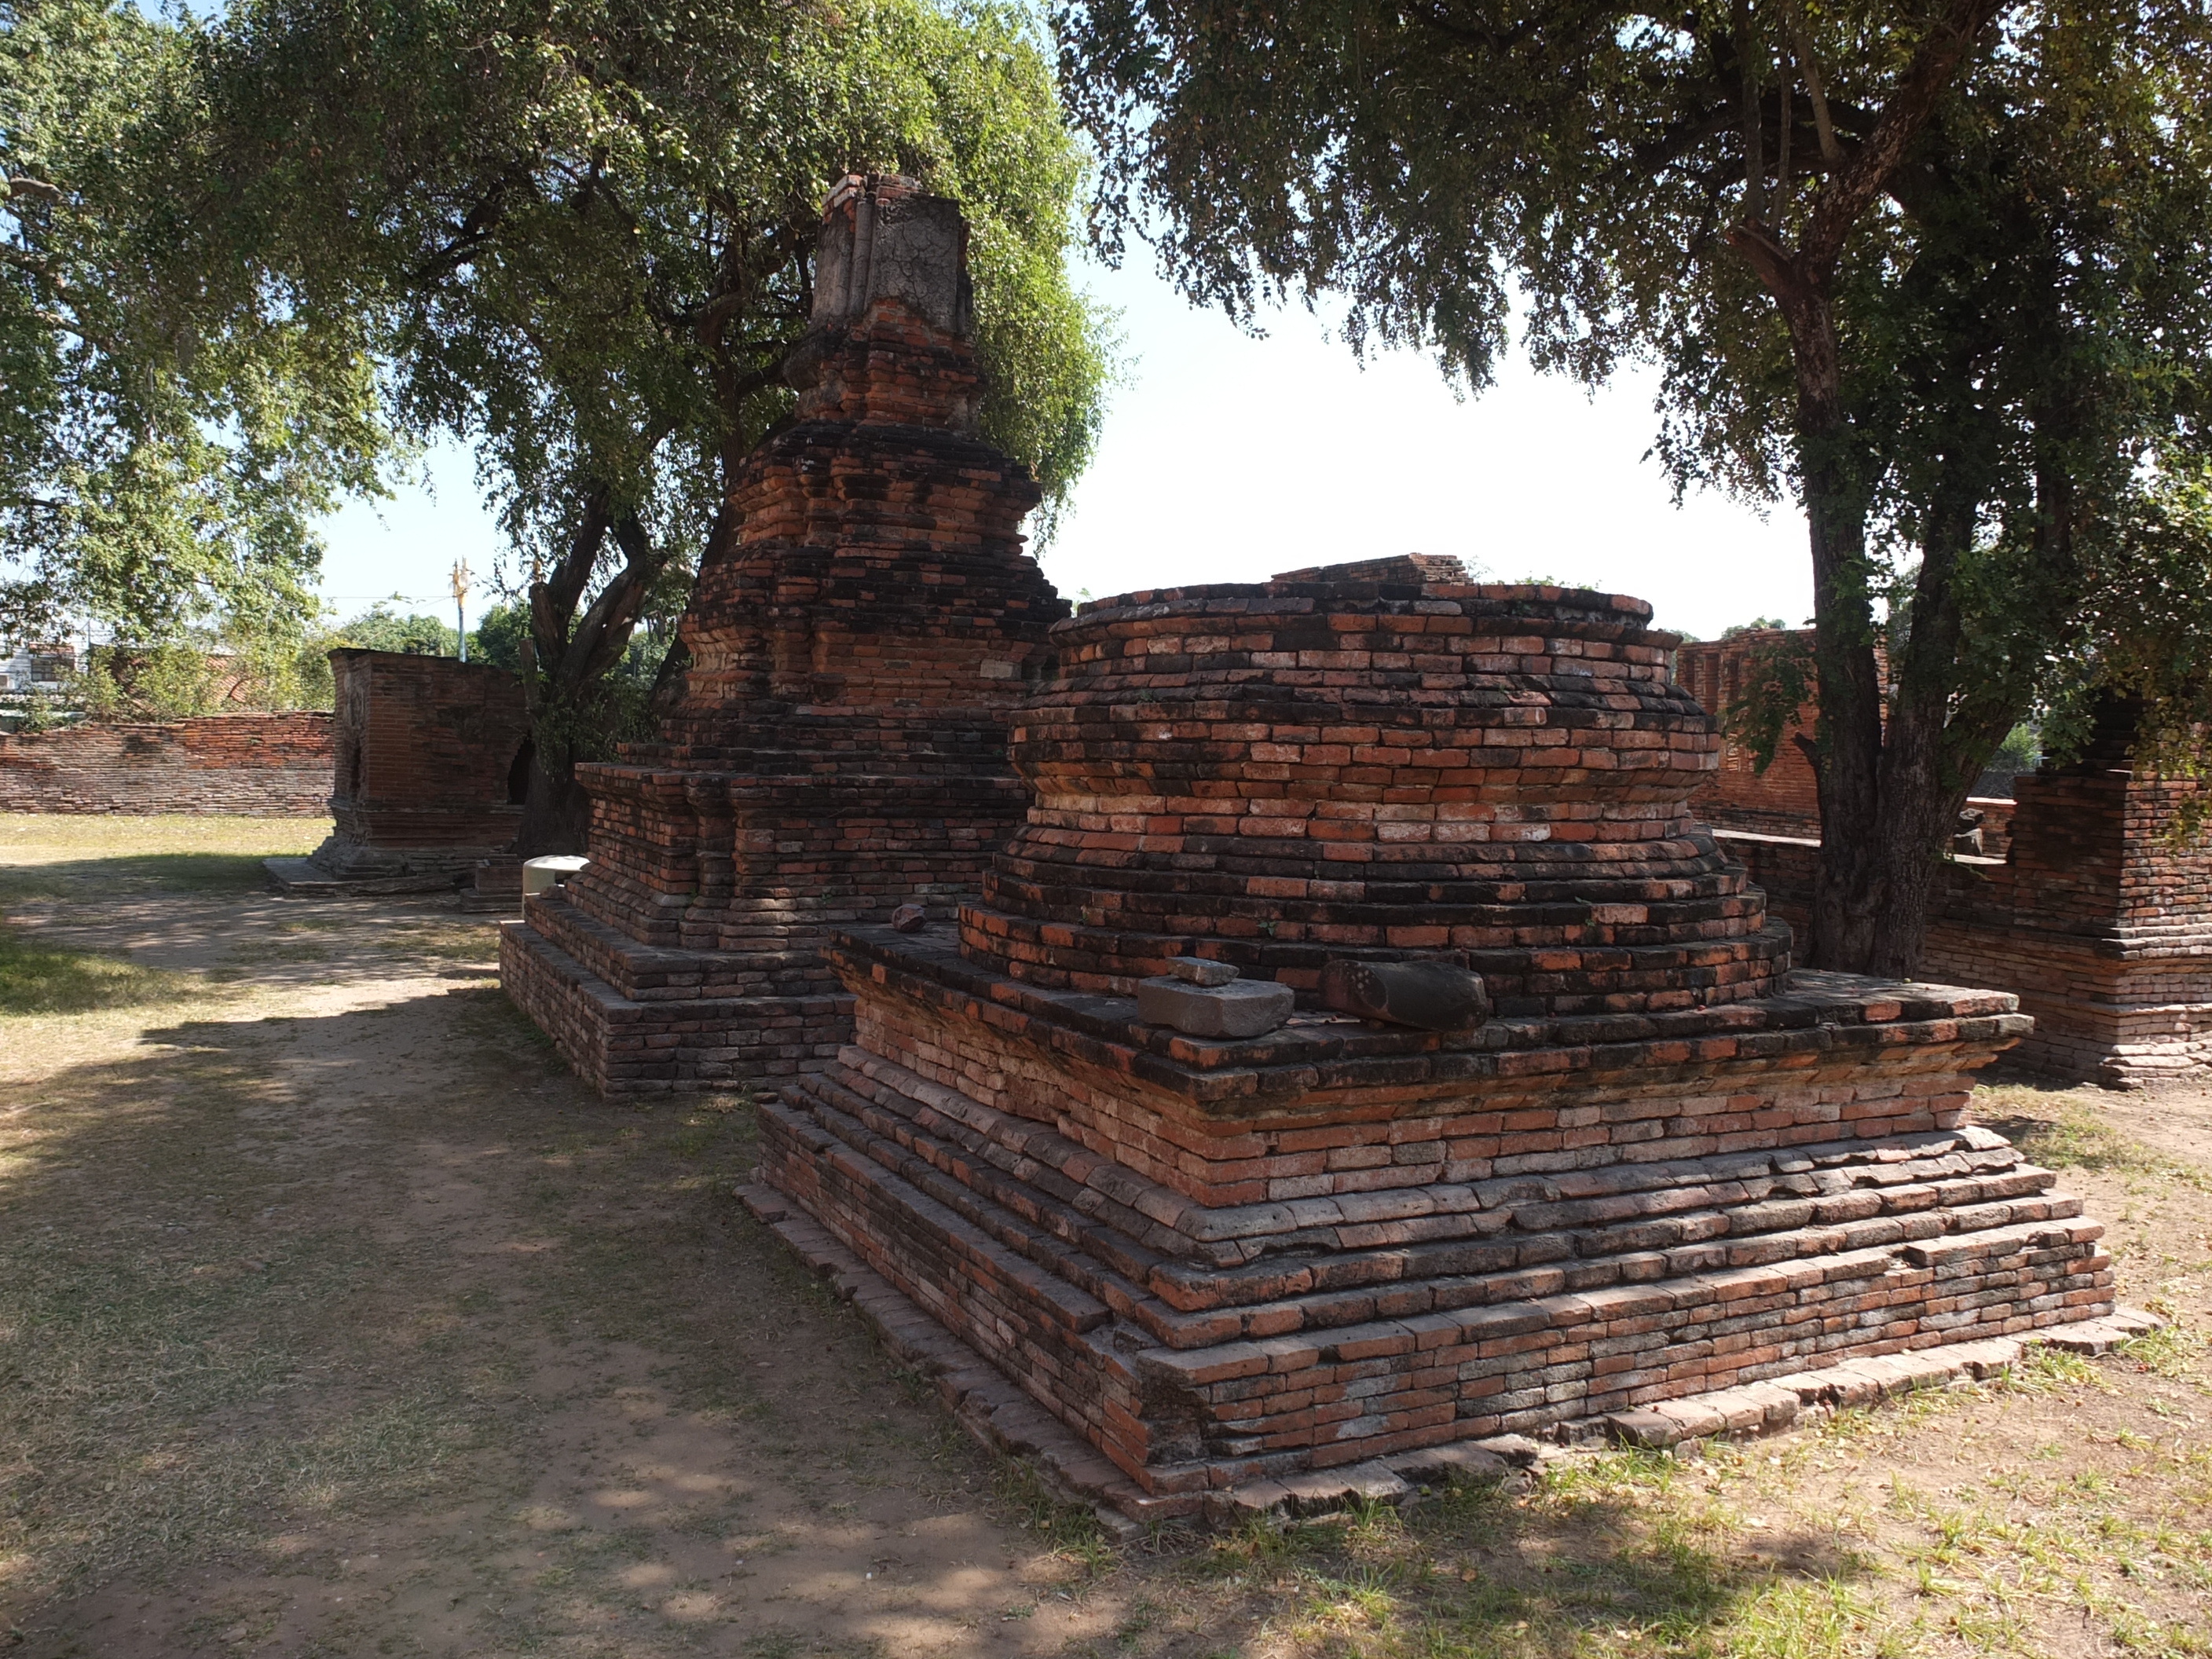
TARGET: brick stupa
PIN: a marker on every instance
(1665, 1168)
(839, 745)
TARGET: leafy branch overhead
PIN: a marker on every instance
(1942, 272)
(166, 450)
(582, 237)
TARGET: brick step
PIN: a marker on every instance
(1739, 961)
(1666, 895)
(1169, 1223)
(658, 973)
(993, 1409)
(1325, 1290)
(1186, 1422)
(624, 1047)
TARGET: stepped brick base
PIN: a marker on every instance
(635, 1019)
(1229, 1263)
(1005, 1418)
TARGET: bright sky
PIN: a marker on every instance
(1228, 458)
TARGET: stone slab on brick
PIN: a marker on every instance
(1237, 1008)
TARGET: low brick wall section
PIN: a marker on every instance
(262, 765)
(2112, 956)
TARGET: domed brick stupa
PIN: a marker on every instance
(1664, 1171)
(839, 747)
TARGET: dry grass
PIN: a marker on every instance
(335, 1319)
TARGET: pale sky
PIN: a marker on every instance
(1228, 458)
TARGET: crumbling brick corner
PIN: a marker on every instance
(838, 747)
(430, 768)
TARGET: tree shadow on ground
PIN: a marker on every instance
(135, 872)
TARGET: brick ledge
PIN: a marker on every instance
(999, 1415)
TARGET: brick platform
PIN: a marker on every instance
(1666, 1167)
(268, 765)
(2080, 905)
(839, 748)
(430, 768)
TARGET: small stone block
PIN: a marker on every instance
(909, 919)
(1332, 1489)
(1451, 1462)
(1517, 1449)
(1198, 970)
(1242, 1008)
(1429, 996)
(1654, 1431)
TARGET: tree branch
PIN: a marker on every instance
(1853, 188)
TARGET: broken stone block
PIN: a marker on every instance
(1198, 970)
(1429, 996)
(909, 919)
(1242, 1008)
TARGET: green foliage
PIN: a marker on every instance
(381, 628)
(206, 673)
(1944, 274)
(167, 446)
(2145, 636)
(2020, 751)
(1756, 625)
(1776, 689)
(499, 637)
(586, 233)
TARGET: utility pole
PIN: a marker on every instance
(461, 603)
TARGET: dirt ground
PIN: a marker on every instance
(336, 1319)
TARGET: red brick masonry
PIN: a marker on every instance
(272, 765)
(430, 765)
(2079, 903)
(1662, 1170)
(839, 748)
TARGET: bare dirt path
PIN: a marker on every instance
(334, 1318)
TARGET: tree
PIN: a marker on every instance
(165, 451)
(1941, 271)
(586, 233)
(380, 627)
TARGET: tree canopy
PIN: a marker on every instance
(165, 450)
(583, 233)
(1942, 271)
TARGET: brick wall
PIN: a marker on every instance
(268, 765)
(837, 745)
(1660, 1170)
(2101, 927)
(428, 763)
(1785, 799)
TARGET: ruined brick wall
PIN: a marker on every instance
(429, 761)
(264, 765)
(1227, 1263)
(836, 746)
(1785, 799)
(2095, 919)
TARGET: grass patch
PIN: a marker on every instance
(37, 979)
(2062, 1131)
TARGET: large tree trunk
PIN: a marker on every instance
(565, 671)
(1883, 809)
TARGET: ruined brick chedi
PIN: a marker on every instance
(839, 748)
(1664, 1166)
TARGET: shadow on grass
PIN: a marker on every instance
(1614, 1556)
(136, 873)
(37, 979)
(207, 1320)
